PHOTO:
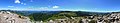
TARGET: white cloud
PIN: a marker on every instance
(17, 1)
(10, 6)
(55, 7)
(23, 3)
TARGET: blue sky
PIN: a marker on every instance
(55, 5)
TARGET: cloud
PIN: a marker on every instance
(17, 1)
(55, 7)
(10, 6)
(23, 3)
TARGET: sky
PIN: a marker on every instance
(64, 5)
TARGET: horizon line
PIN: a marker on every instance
(67, 10)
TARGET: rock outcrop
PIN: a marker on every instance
(8, 17)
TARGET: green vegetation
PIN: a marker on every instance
(63, 15)
(47, 16)
(39, 16)
(59, 15)
(54, 14)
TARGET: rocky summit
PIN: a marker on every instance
(8, 17)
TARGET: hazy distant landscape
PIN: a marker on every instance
(48, 16)
(59, 11)
(40, 15)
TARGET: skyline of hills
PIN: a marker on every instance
(30, 12)
(52, 15)
(67, 10)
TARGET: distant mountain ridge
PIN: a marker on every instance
(79, 13)
(45, 15)
(25, 13)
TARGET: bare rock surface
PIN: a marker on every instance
(8, 17)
